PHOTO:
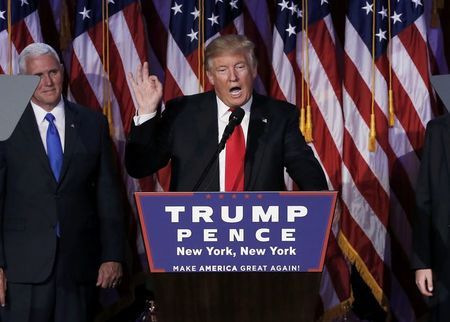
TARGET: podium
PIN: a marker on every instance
(250, 256)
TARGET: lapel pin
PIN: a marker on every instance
(264, 120)
(72, 125)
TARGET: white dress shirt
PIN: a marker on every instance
(60, 121)
(223, 115)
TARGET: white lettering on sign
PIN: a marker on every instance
(236, 214)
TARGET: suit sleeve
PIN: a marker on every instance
(148, 145)
(109, 202)
(421, 256)
(300, 162)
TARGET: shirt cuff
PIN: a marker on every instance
(141, 119)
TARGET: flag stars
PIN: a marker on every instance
(381, 35)
(218, 1)
(85, 13)
(322, 2)
(193, 35)
(293, 8)
(213, 19)
(299, 13)
(195, 13)
(417, 3)
(22, 2)
(284, 5)
(176, 8)
(2, 15)
(111, 1)
(396, 17)
(290, 30)
(383, 12)
(368, 7)
(233, 4)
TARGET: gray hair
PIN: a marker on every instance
(230, 44)
(34, 50)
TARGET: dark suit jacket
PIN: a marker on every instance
(187, 134)
(431, 224)
(431, 221)
(86, 200)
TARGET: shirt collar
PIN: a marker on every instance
(224, 111)
(57, 111)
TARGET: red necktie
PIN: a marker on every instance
(234, 161)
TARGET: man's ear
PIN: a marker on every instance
(210, 77)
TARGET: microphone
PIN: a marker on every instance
(235, 119)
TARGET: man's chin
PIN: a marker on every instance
(235, 102)
(47, 103)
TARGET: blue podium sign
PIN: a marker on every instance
(236, 232)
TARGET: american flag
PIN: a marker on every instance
(19, 27)
(385, 48)
(305, 73)
(108, 43)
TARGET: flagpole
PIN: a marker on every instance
(302, 107)
(308, 125)
(105, 62)
(9, 38)
(372, 133)
(201, 45)
(389, 51)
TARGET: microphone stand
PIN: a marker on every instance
(208, 167)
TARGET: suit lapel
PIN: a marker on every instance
(30, 129)
(207, 133)
(256, 141)
(71, 136)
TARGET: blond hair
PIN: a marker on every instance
(230, 44)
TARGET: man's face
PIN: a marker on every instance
(232, 76)
(48, 93)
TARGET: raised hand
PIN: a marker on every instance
(147, 90)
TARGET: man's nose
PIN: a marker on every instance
(233, 75)
(46, 80)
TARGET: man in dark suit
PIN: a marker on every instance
(187, 133)
(431, 225)
(189, 130)
(62, 219)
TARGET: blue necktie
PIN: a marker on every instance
(54, 148)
